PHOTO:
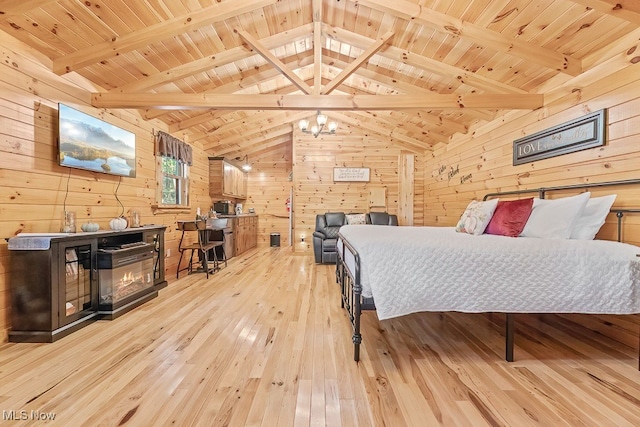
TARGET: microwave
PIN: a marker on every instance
(223, 208)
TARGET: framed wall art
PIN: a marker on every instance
(579, 134)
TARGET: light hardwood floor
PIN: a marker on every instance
(265, 342)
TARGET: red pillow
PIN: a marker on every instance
(510, 217)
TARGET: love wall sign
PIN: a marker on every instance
(579, 134)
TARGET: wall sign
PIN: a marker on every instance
(453, 172)
(579, 134)
(351, 174)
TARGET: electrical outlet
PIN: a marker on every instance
(168, 253)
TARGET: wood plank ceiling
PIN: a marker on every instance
(238, 75)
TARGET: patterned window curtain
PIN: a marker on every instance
(170, 146)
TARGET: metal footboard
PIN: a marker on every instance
(351, 291)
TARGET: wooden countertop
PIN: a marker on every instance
(236, 216)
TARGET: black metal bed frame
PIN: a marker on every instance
(351, 288)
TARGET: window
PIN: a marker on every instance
(173, 182)
(173, 161)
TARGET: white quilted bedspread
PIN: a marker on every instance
(412, 269)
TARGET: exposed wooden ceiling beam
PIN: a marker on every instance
(369, 123)
(264, 73)
(256, 132)
(449, 126)
(441, 125)
(368, 119)
(438, 132)
(211, 62)
(184, 101)
(256, 123)
(240, 140)
(259, 120)
(261, 75)
(197, 120)
(256, 146)
(155, 33)
(249, 144)
(424, 63)
(385, 77)
(628, 10)
(484, 37)
(152, 113)
(333, 58)
(275, 61)
(353, 66)
(397, 139)
(16, 7)
(317, 45)
(406, 88)
(229, 88)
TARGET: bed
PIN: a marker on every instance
(401, 270)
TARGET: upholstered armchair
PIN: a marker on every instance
(381, 218)
(325, 236)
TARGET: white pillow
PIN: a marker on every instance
(476, 217)
(554, 219)
(356, 219)
(592, 218)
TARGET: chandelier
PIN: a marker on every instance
(318, 129)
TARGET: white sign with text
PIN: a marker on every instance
(351, 174)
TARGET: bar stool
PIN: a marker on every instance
(202, 246)
(220, 243)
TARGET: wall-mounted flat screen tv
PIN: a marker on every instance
(86, 142)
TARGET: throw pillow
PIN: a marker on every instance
(354, 219)
(595, 212)
(510, 217)
(554, 219)
(475, 218)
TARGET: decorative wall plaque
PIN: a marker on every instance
(351, 174)
(579, 134)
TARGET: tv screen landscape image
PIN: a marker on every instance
(86, 142)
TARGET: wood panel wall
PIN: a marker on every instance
(268, 187)
(480, 162)
(316, 193)
(33, 187)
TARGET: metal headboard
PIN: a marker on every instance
(543, 190)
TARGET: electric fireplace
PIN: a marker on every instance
(126, 277)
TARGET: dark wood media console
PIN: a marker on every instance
(61, 282)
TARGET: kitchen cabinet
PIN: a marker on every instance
(226, 180)
(245, 233)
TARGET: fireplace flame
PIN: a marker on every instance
(127, 279)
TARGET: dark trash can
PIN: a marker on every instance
(275, 240)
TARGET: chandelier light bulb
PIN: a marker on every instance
(333, 126)
(246, 166)
(304, 125)
(321, 119)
